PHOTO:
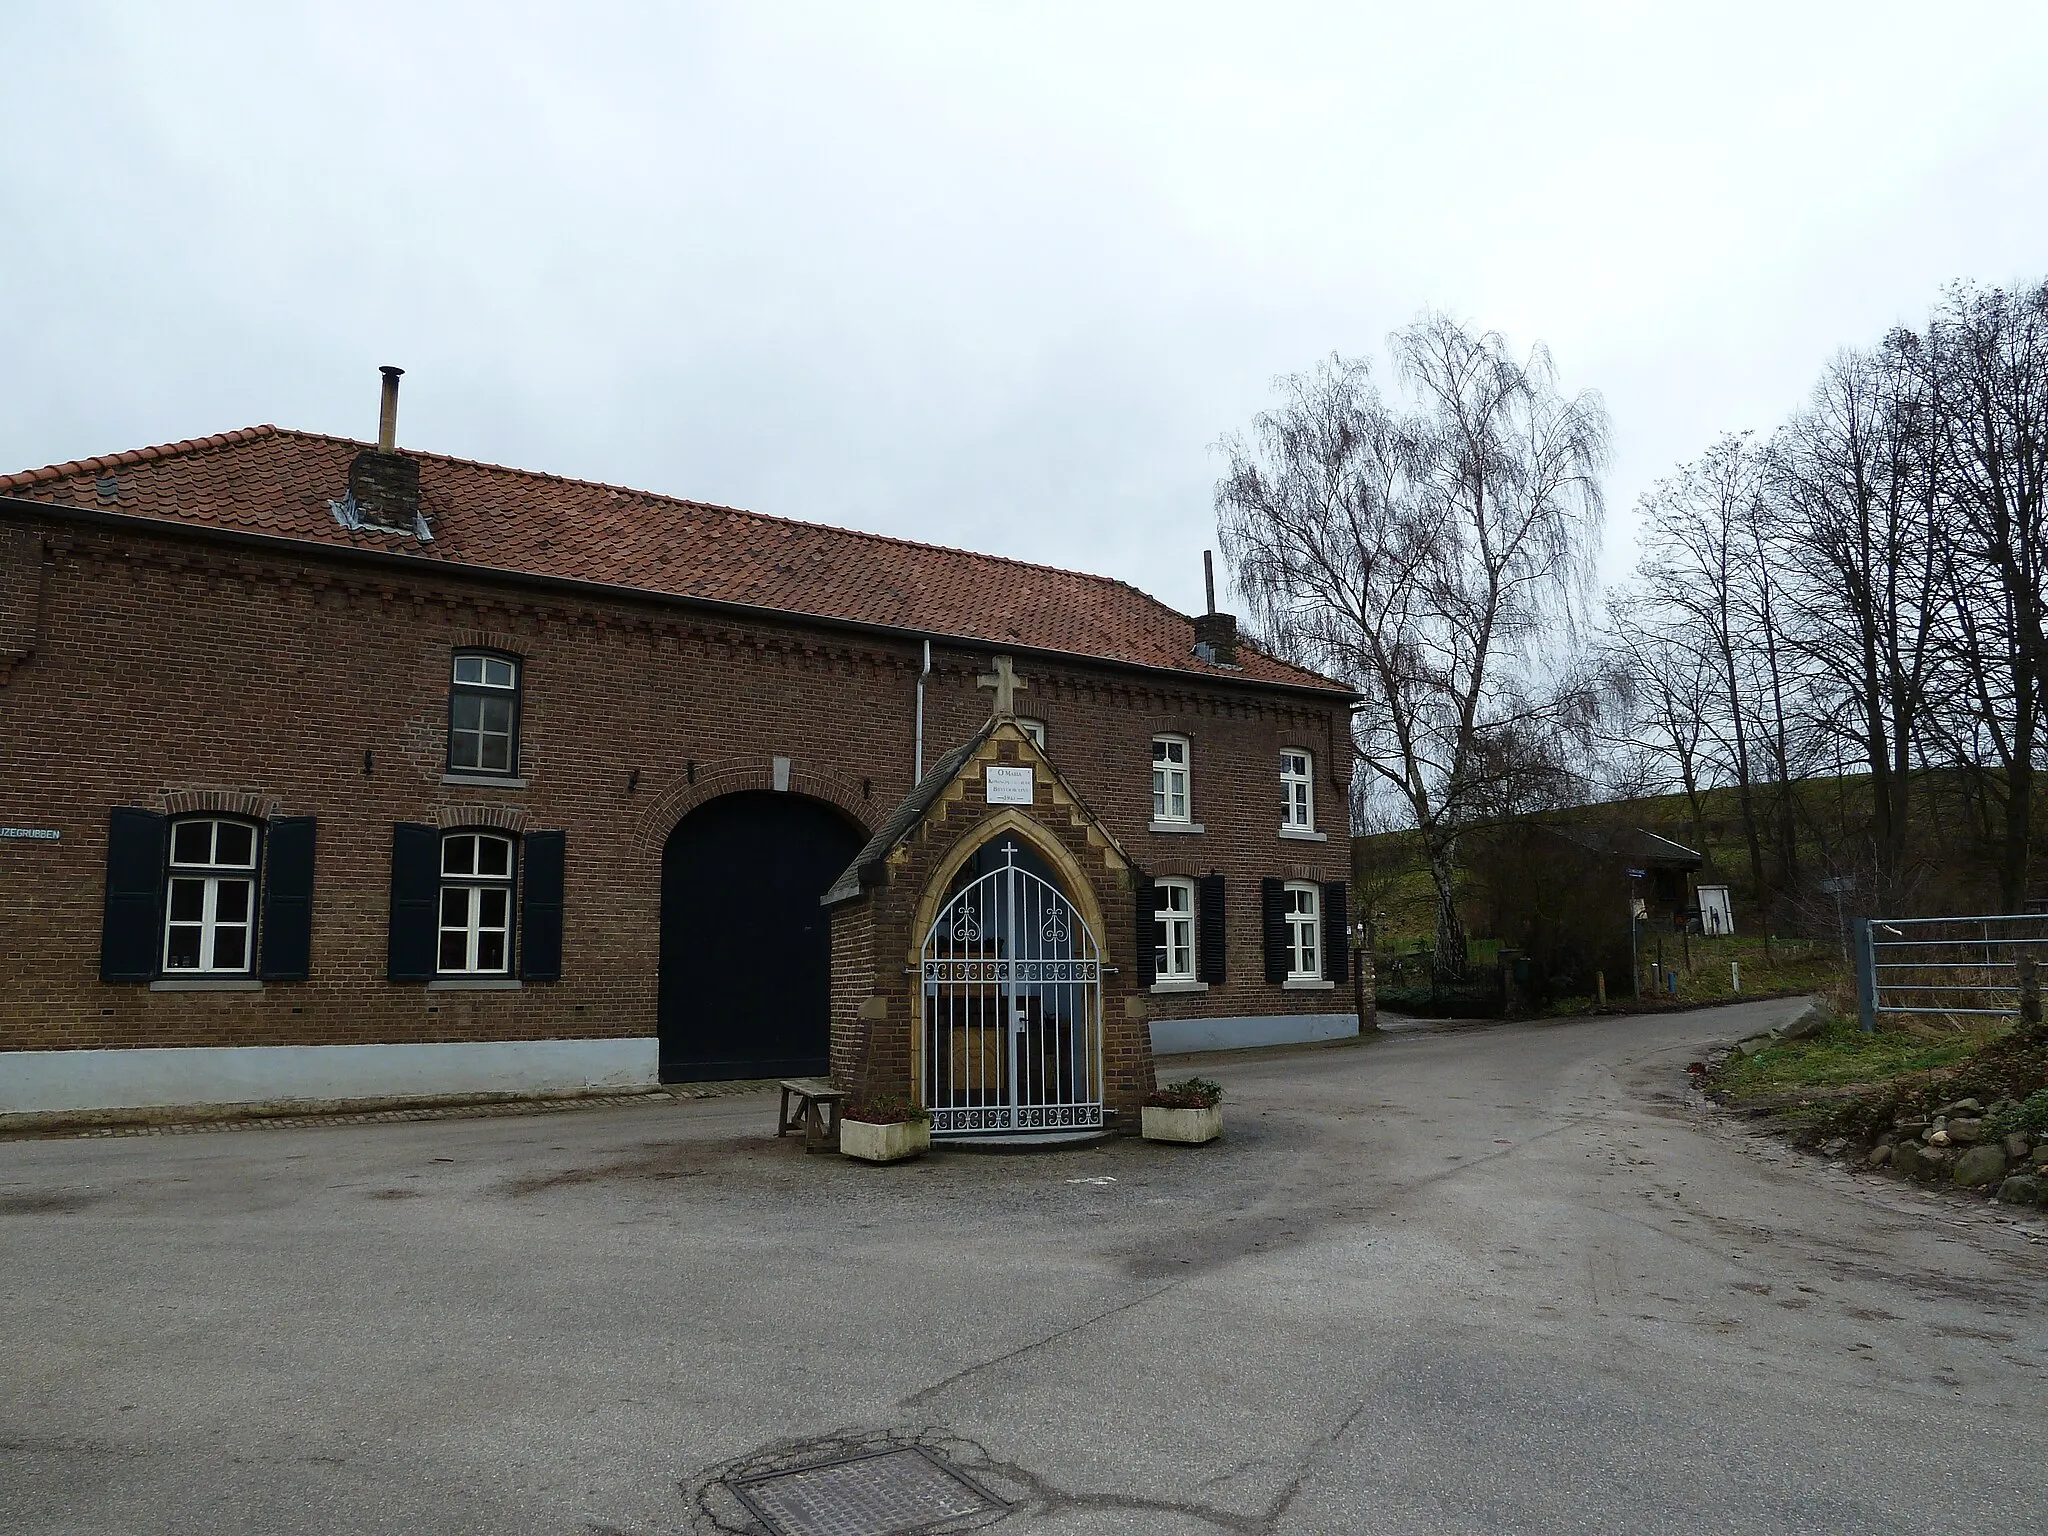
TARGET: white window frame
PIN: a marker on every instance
(1173, 949)
(491, 676)
(1304, 931)
(211, 875)
(1297, 790)
(472, 887)
(1035, 729)
(1170, 776)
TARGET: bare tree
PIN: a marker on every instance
(1697, 570)
(1659, 687)
(1987, 359)
(1764, 607)
(1431, 552)
(1870, 597)
(1854, 476)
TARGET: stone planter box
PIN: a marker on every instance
(1189, 1126)
(873, 1143)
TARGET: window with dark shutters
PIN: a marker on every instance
(1148, 933)
(477, 917)
(287, 927)
(1336, 931)
(1210, 943)
(415, 895)
(540, 933)
(131, 929)
(1273, 915)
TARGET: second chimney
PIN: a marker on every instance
(1216, 638)
(1215, 633)
(383, 482)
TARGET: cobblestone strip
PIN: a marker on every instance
(293, 1122)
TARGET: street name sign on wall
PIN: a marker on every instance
(1009, 786)
(36, 834)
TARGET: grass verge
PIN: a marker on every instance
(1861, 1087)
(1842, 1056)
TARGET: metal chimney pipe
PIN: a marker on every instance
(387, 415)
(1208, 572)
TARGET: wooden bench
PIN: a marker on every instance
(811, 1094)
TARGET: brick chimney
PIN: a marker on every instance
(1216, 638)
(383, 482)
(1215, 633)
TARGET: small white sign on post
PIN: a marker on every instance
(1009, 786)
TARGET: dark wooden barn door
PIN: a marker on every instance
(746, 954)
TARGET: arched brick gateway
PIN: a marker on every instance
(746, 953)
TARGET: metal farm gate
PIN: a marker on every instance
(1012, 1039)
(1947, 965)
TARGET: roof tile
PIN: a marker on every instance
(484, 516)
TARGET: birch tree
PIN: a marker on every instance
(1431, 549)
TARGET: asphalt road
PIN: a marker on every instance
(1490, 1280)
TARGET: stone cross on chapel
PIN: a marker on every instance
(1006, 683)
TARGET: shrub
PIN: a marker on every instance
(2030, 1115)
(1188, 1093)
(885, 1109)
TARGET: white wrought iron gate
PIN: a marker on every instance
(1012, 1010)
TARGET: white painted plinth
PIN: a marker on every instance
(1189, 1126)
(168, 1077)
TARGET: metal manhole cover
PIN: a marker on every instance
(885, 1493)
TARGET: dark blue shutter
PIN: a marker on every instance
(1273, 912)
(1210, 947)
(288, 899)
(1336, 931)
(540, 901)
(415, 901)
(131, 930)
(1148, 932)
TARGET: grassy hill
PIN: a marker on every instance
(1952, 867)
(1803, 950)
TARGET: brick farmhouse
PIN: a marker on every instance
(330, 770)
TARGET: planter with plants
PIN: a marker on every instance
(884, 1129)
(1189, 1111)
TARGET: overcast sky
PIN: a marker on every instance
(994, 276)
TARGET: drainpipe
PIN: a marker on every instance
(927, 672)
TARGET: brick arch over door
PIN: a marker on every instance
(746, 952)
(684, 792)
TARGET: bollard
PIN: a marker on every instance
(1735, 977)
(1600, 986)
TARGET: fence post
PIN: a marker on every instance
(2030, 992)
(1866, 976)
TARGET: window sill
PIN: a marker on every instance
(1307, 984)
(485, 780)
(1180, 986)
(1303, 835)
(1176, 826)
(206, 984)
(476, 984)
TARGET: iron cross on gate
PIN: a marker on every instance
(1007, 684)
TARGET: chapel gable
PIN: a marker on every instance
(980, 964)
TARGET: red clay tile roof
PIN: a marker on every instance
(269, 481)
